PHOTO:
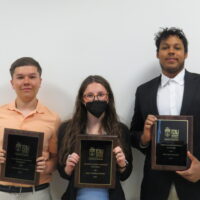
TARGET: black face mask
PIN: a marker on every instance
(96, 108)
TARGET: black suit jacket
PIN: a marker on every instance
(146, 103)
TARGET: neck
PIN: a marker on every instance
(169, 75)
(94, 125)
(26, 107)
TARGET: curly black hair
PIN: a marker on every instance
(167, 32)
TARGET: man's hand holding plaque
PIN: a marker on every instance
(41, 162)
(192, 174)
(147, 133)
(2, 156)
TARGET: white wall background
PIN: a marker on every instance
(75, 38)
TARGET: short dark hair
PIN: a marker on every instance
(23, 62)
(167, 32)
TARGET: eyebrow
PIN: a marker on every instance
(26, 74)
(165, 43)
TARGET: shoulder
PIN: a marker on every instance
(64, 125)
(150, 84)
(192, 75)
(123, 127)
(4, 107)
(62, 129)
(48, 112)
(8, 106)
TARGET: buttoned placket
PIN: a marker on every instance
(23, 118)
(172, 89)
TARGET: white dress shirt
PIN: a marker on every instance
(170, 94)
(169, 102)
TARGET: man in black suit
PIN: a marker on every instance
(175, 92)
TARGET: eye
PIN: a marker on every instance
(164, 47)
(19, 77)
(178, 48)
(101, 95)
(89, 95)
(32, 77)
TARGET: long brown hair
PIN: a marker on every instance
(77, 125)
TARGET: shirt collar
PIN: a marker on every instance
(179, 78)
(39, 107)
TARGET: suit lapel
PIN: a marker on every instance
(154, 92)
(189, 92)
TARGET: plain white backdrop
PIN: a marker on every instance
(75, 38)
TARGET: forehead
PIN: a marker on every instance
(94, 88)
(172, 40)
(27, 69)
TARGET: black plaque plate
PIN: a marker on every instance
(22, 149)
(97, 165)
(172, 137)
